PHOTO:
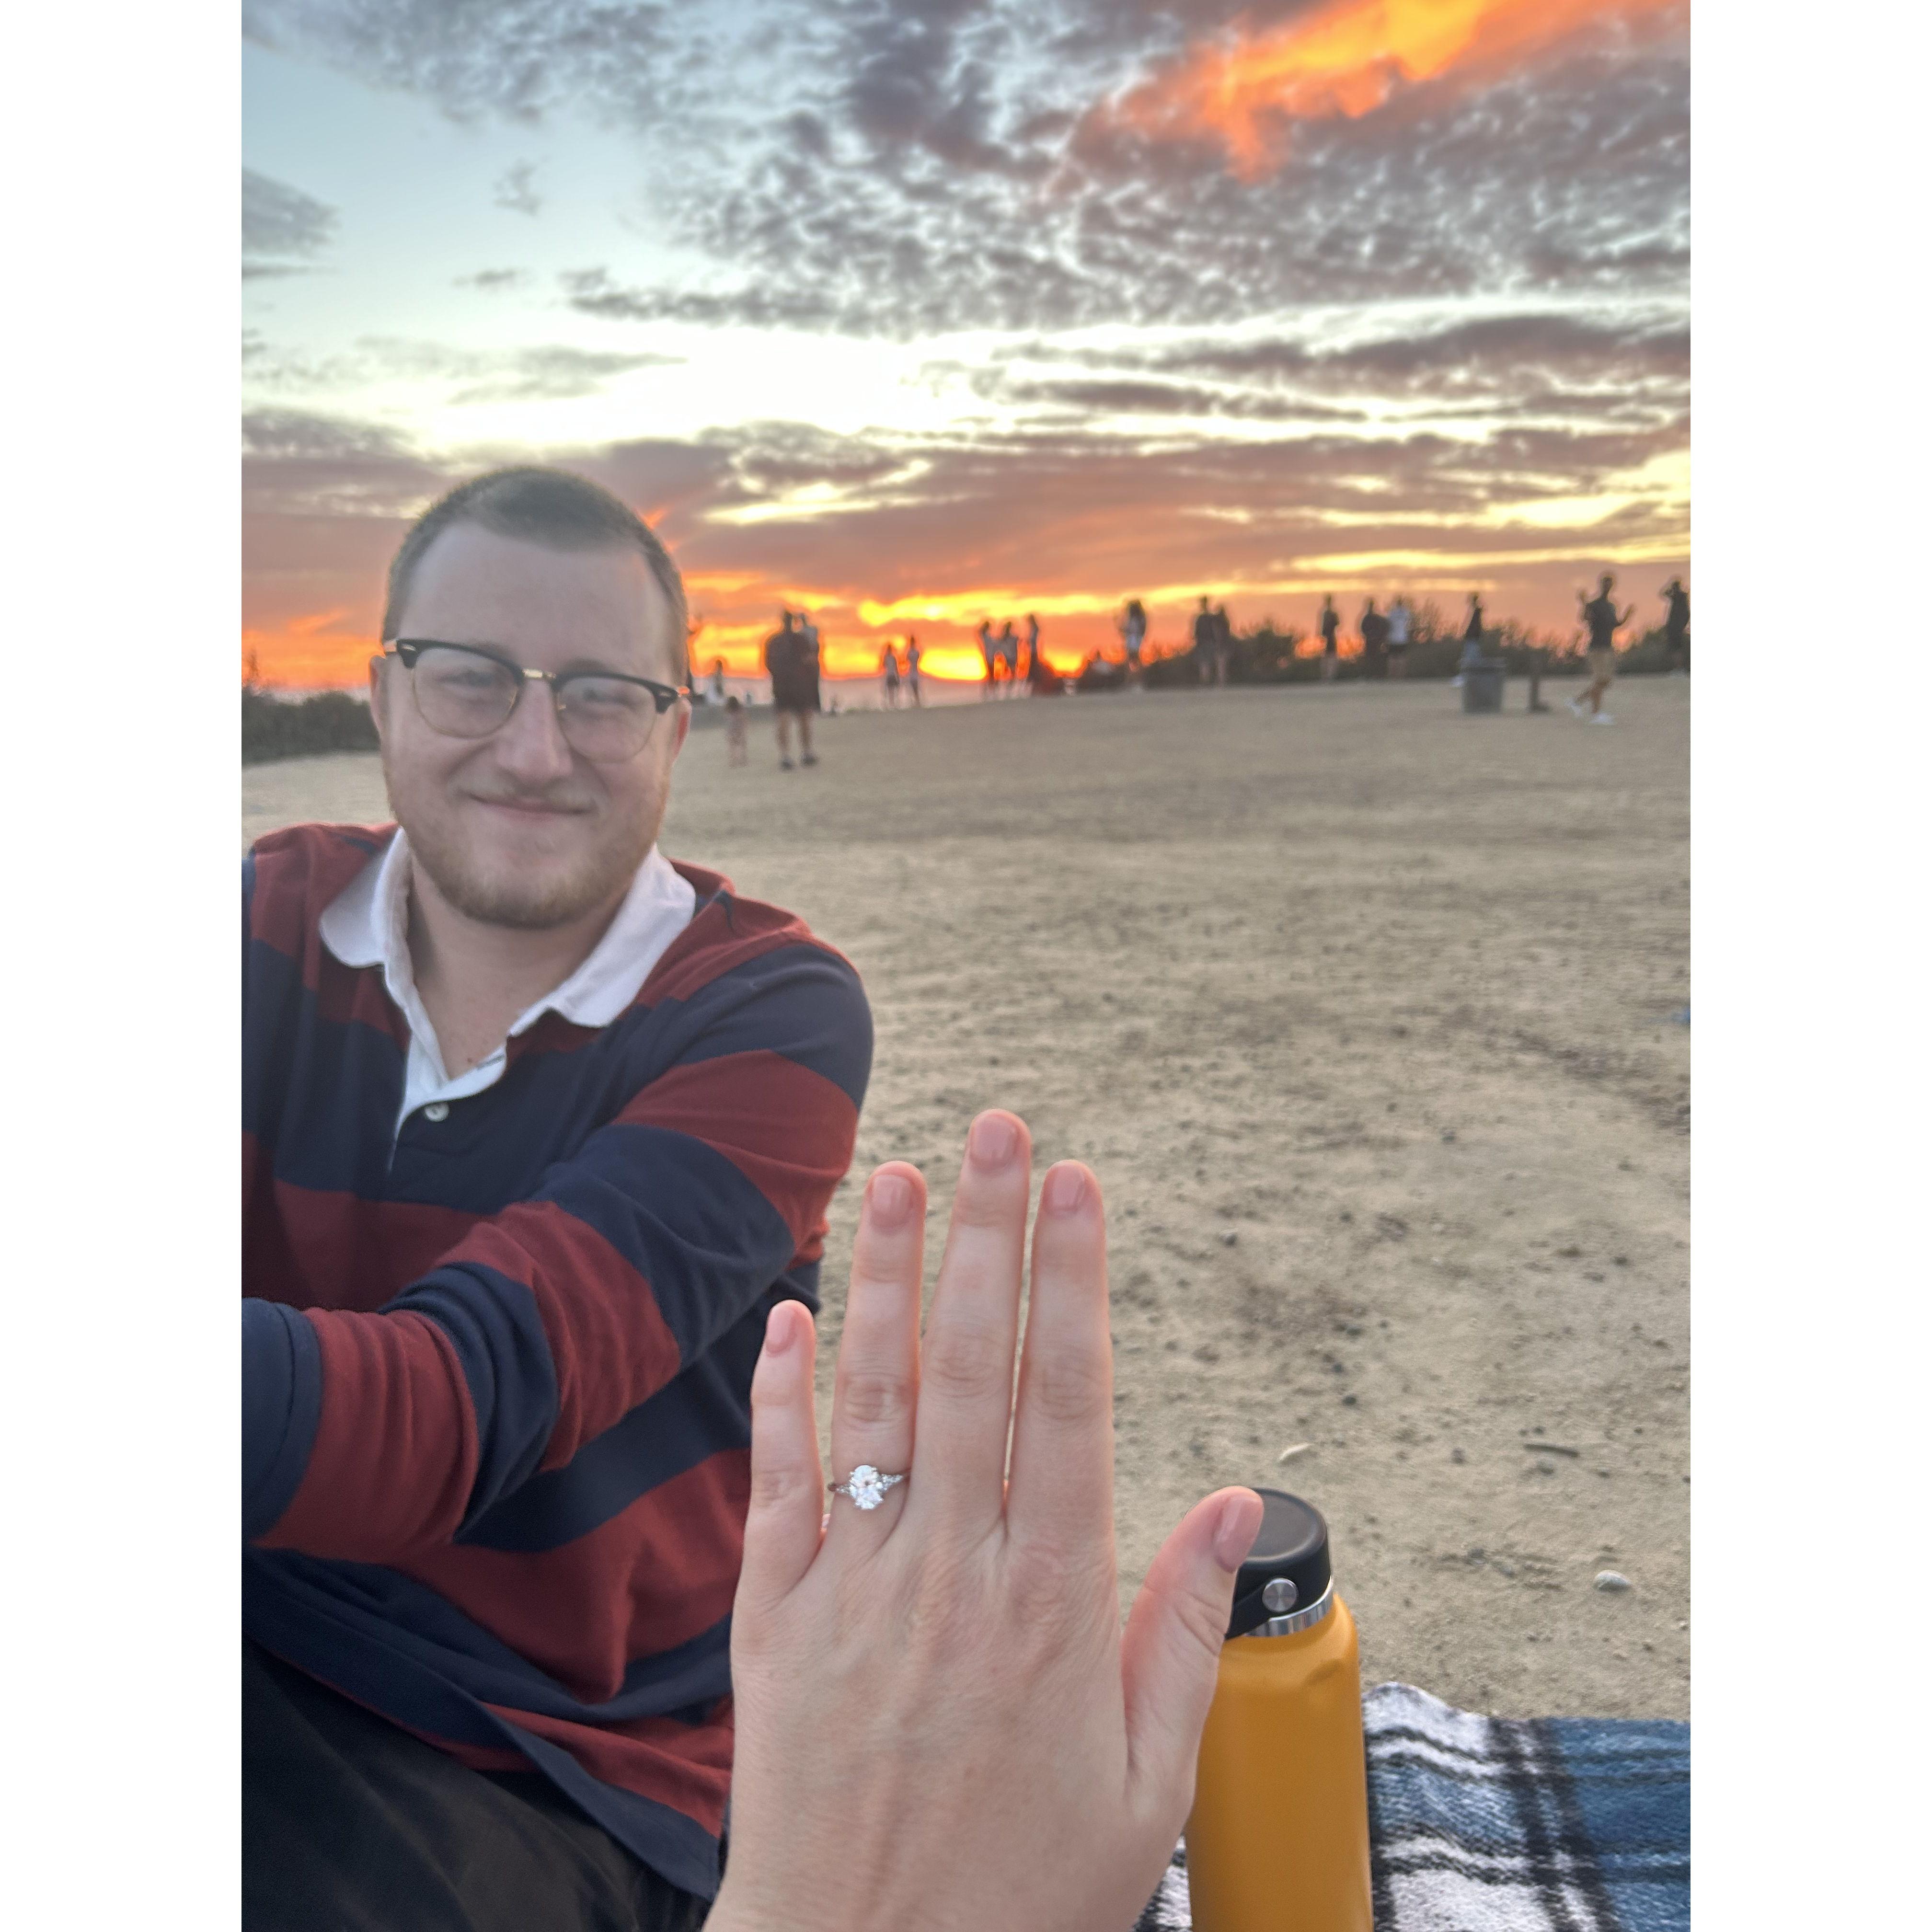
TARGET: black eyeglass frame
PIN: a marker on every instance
(408, 649)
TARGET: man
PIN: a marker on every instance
(1398, 623)
(1676, 629)
(1375, 629)
(1472, 639)
(989, 651)
(1224, 644)
(538, 1128)
(1599, 614)
(1331, 629)
(794, 688)
(912, 656)
(1010, 655)
(1205, 634)
(1032, 649)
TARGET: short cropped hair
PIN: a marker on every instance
(549, 507)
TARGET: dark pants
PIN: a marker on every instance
(350, 1824)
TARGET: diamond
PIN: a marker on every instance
(867, 1487)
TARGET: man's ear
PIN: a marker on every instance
(375, 690)
(683, 726)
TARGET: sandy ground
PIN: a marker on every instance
(1361, 1010)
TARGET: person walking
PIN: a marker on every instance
(1375, 629)
(889, 667)
(1331, 626)
(1600, 613)
(735, 753)
(1205, 629)
(1010, 655)
(1133, 634)
(990, 652)
(1676, 629)
(912, 669)
(794, 694)
(1399, 617)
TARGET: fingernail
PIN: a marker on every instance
(892, 1200)
(993, 1141)
(1065, 1189)
(1235, 1535)
(780, 1330)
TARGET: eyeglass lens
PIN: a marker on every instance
(464, 695)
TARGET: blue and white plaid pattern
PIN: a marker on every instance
(1513, 1824)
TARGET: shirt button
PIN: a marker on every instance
(436, 1110)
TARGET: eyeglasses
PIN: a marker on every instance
(466, 691)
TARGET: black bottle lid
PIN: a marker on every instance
(1291, 1548)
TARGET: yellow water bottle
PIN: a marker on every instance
(1278, 1841)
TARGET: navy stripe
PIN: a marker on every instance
(684, 1216)
(701, 1413)
(378, 1665)
(500, 1341)
(281, 1403)
(283, 1590)
(798, 1001)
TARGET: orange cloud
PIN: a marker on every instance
(1346, 59)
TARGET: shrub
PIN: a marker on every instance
(331, 721)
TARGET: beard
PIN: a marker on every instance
(527, 899)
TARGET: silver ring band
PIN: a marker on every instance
(866, 1487)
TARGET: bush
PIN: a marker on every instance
(332, 720)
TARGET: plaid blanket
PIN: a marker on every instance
(1508, 1825)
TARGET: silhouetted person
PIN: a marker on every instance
(1041, 679)
(714, 691)
(1398, 637)
(912, 656)
(1375, 630)
(1676, 629)
(1600, 613)
(794, 691)
(734, 731)
(1472, 638)
(990, 652)
(1224, 644)
(1009, 654)
(1331, 630)
(889, 668)
(1032, 642)
(1204, 633)
(1133, 635)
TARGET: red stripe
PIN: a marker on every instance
(324, 1248)
(395, 1452)
(609, 1343)
(298, 871)
(789, 1130)
(685, 1766)
(659, 1573)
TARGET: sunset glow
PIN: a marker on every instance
(1346, 59)
(910, 318)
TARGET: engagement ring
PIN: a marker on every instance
(865, 1486)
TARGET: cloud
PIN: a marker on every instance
(897, 167)
(279, 222)
(494, 281)
(515, 189)
(551, 372)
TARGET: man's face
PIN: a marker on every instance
(516, 828)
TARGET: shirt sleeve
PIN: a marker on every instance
(368, 1435)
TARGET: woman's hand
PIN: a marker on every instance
(939, 1723)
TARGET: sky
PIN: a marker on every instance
(913, 312)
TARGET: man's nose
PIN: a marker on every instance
(531, 744)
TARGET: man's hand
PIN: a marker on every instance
(939, 1722)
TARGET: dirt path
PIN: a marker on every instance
(1362, 1010)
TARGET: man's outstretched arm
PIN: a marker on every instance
(368, 1435)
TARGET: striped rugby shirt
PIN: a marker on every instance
(496, 1367)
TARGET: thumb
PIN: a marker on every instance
(1172, 1646)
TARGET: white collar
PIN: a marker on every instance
(367, 924)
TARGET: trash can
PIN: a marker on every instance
(1483, 685)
